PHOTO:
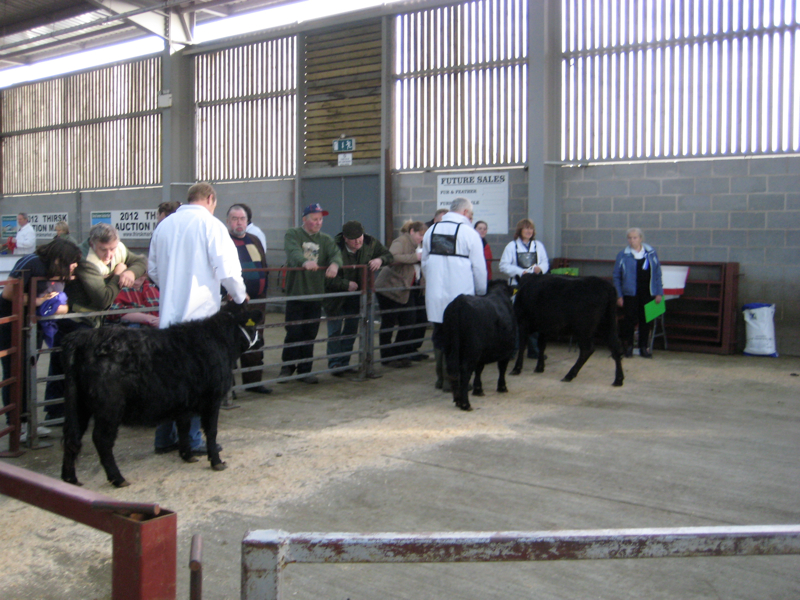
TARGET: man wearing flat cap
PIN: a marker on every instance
(357, 248)
(307, 247)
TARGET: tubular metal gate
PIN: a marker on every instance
(364, 362)
(266, 553)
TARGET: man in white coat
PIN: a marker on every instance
(26, 236)
(191, 255)
(453, 263)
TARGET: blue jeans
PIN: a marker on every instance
(338, 327)
(167, 434)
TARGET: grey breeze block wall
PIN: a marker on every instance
(734, 210)
(272, 202)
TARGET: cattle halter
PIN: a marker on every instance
(253, 341)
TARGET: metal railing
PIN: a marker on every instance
(266, 553)
(364, 355)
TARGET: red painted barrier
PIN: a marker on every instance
(144, 536)
(14, 378)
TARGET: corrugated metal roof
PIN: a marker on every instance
(34, 30)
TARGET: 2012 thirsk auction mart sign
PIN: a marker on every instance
(44, 224)
(488, 191)
(137, 224)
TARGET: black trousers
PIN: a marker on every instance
(300, 310)
(633, 315)
(401, 319)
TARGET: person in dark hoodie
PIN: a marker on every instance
(357, 248)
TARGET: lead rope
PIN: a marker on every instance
(253, 341)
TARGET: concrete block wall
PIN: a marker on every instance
(735, 210)
(79, 205)
(272, 202)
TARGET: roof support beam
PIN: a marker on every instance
(174, 26)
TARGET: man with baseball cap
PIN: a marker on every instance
(357, 248)
(319, 257)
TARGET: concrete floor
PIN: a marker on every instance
(690, 440)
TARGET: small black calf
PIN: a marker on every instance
(478, 330)
(123, 376)
(582, 307)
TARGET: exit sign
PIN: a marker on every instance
(344, 145)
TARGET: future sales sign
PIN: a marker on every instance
(135, 224)
(488, 191)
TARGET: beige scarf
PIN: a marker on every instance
(106, 269)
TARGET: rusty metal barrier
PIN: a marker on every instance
(144, 536)
(13, 379)
(266, 553)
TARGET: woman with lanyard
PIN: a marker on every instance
(525, 255)
(637, 278)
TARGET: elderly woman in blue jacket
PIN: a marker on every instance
(637, 278)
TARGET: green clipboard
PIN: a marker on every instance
(653, 310)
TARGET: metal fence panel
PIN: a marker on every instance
(682, 79)
(97, 129)
(460, 77)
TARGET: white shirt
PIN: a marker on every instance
(191, 255)
(25, 240)
(448, 276)
(256, 231)
(508, 262)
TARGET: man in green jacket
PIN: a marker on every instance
(307, 247)
(356, 248)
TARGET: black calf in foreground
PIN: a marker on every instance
(582, 307)
(123, 376)
(478, 330)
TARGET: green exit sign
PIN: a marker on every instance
(344, 145)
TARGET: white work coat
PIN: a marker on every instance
(191, 255)
(25, 240)
(448, 276)
(508, 262)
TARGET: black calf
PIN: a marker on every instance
(478, 330)
(582, 307)
(123, 376)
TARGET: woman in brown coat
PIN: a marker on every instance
(400, 286)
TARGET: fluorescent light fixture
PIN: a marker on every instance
(81, 60)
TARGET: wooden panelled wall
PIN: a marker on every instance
(343, 92)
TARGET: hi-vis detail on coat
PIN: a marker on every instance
(444, 244)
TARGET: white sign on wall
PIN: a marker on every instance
(488, 191)
(132, 224)
(44, 224)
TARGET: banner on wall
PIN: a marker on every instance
(488, 191)
(132, 224)
(44, 224)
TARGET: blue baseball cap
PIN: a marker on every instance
(312, 208)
